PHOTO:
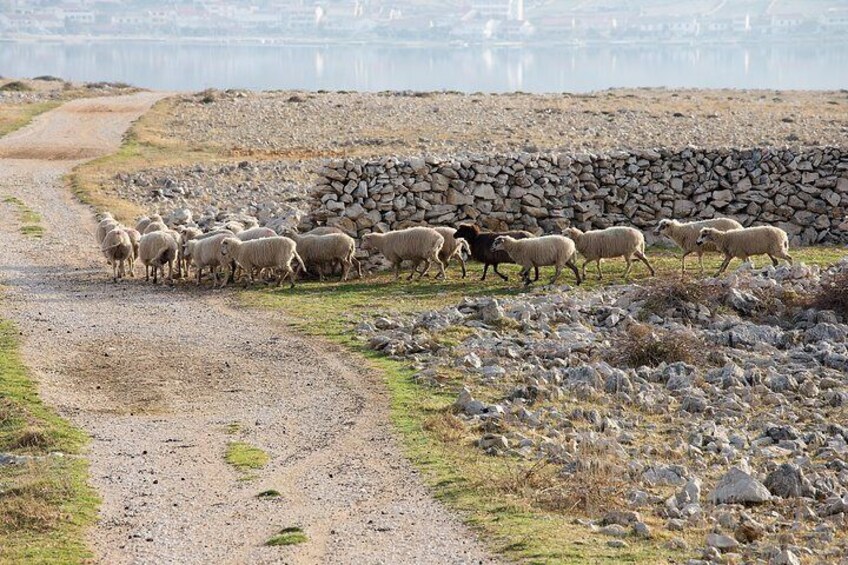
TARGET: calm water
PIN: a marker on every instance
(175, 66)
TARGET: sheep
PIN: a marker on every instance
(100, 216)
(538, 252)
(205, 252)
(255, 233)
(330, 248)
(234, 226)
(178, 239)
(264, 253)
(452, 247)
(607, 243)
(117, 248)
(324, 230)
(480, 243)
(686, 235)
(745, 242)
(142, 223)
(103, 227)
(135, 237)
(186, 235)
(156, 249)
(155, 226)
(416, 244)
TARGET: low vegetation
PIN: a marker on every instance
(288, 536)
(30, 219)
(245, 457)
(45, 501)
(650, 347)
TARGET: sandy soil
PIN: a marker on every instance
(156, 375)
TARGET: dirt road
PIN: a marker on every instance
(163, 379)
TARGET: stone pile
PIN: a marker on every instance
(803, 191)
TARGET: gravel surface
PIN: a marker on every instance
(156, 375)
(300, 125)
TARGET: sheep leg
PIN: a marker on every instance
(501, 275)
(442, 272)
(414, 270)
(641, 257)
(397, 270)
(574, 268)
(586, 262)
(683, 264)
(774, 261)
(600, 274)
(556, 274)
(786, 257)
(724, 264)
(485, 270)
(427, 268)
(199, 273)
(358, 267)
(346, 265)
(462, 264)
(629, 260)
(170, 271)
(701, 262)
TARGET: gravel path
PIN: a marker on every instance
(157, 374)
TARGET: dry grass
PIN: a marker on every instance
(642, 345)
(831, 295)
(664, 294)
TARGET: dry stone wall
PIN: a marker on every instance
(804, 191)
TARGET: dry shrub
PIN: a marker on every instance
(590, 486)
(662, 295)
(643, 345)
(30, 504)
(28, 439)
(445, 426)
(832, 294)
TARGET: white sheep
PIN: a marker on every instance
(104, 226)
(685, 235)
(135, 238)
(142, 223)
(100, 216)
(234, 226)
(608, 243)
(544, 251)
(255, 233)
(416, 244)
(746, 242)
(452, 247)
(155, 226)
(157, 249)
(117, 248)
(186, 234)
(326, 249)
(206, 252)
(264, 253)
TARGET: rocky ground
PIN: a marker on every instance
(711, 414)
(48, 88)
(285, 136)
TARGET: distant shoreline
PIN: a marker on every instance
(455, 44)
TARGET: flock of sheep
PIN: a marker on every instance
(251, 251)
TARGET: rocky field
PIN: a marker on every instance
(710, 416)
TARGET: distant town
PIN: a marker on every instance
(460, 21)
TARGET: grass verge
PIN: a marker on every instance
(288, 536)
(492, 494)
(15, 116)
(45, 501)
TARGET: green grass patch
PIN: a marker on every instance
(30, 219)
(232, 428)
(288, 536)
(245, 457)
(45, 503)
(270, 493)
(489, 493)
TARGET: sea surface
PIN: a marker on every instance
(171, 65)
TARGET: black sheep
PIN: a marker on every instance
(481, 247)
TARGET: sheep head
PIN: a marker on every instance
(572, 233)
(227, 243)
(663, 226)
(467, 231)
(706, 235)
(498, 244)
